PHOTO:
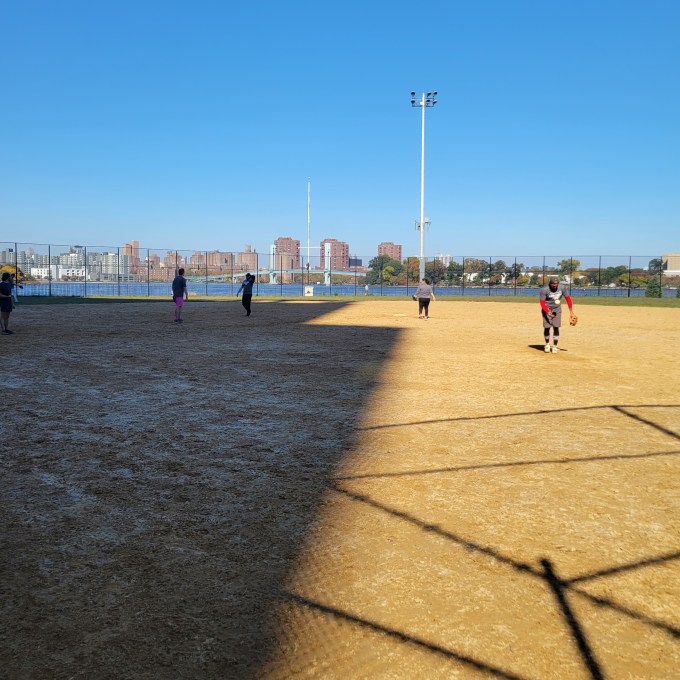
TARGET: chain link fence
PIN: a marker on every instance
(130, 271)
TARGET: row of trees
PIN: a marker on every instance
(473, 271)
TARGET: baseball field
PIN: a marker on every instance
(339, 489)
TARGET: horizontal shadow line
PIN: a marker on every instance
(669, 557)
(402, 637)
(515, 415)
(503, 559)
(486, 466)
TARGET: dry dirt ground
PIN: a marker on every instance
(339, 490)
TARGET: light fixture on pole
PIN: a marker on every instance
(429, 99)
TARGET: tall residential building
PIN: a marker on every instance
(248, 259)
(444, 259)
(390, 249)
(220, 260)
(334, 255)
(286, 253)
(132, 251)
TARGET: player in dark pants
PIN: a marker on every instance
(550, 298)
(180, 293)
(424, 293)
(247, 288)
(6, 304)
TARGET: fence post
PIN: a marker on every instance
(85, 254)
(49, 270)
(630, 266)
(543, 277)
(599, 275)
(489, 272)
(118, 269)
(571, 272)
(148, 273)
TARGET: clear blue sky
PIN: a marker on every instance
(196, 124)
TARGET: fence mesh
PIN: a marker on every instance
(131, 271)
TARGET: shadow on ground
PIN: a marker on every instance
(161, 479)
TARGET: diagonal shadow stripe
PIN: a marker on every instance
(503, 559)
(631, 613)
(486, 466)
(651, 423)
(625, 567)
(557, 586)
(402, 637)
(463, 419)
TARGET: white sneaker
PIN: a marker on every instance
(554, 349)
(547, 348)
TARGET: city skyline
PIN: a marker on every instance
(110, 131)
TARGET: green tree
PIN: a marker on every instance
(653, 287)
(435, 271)
(515, 271)
(656, 266)
(480, 267)
(454, 273)
(412, 268)
(613, 274)
(382, 268)
(568, 266)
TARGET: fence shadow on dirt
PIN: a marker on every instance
(154, 513)
(560, 587)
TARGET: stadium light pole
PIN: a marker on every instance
(425, 101)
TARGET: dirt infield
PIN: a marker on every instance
(339, 490)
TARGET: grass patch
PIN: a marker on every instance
(530, 299)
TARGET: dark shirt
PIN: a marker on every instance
(247, 286)
(179, 285)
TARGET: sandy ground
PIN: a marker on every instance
(339, 490)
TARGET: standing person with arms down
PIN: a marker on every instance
(180, 293)
(247, 288)
(424, 293)
(550, 298)
(6, 303)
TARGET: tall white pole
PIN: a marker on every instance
(422, 194)
(309, 190)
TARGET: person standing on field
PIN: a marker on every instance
(424, 293)
(247, 288)
(550, 298)
(180, 293)
(6, 303)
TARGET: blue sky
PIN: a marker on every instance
(196, 125)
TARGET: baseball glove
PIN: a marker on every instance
(573, 319)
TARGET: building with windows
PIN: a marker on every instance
(671, 264)
(131, 250)
(390, 249)
(286, 253)
(247, 261)
(334, 255)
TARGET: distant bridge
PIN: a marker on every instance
(274, 274)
